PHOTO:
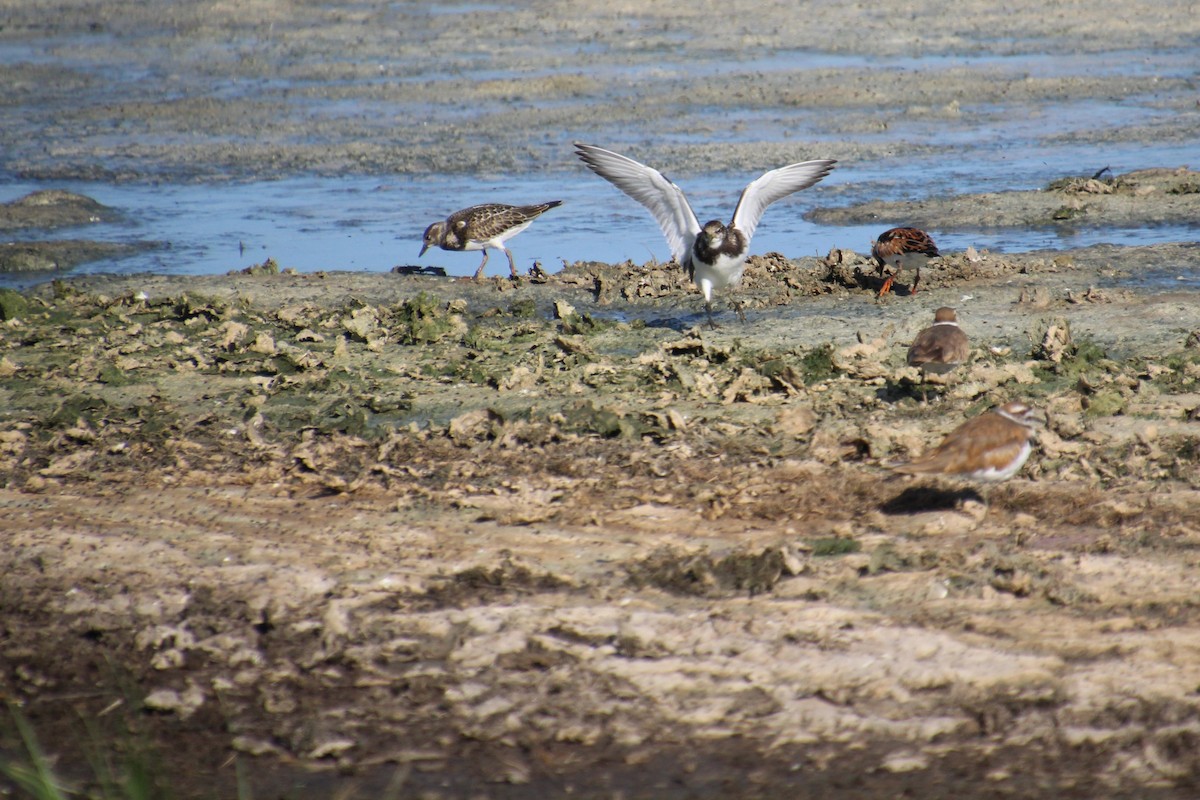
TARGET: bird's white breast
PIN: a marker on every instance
(725, 271)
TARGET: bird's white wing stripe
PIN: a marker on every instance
(665, 201)
(772, 186)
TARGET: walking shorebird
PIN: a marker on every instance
(900, 248)
(481, 227)
(991, 447)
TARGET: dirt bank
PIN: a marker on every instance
(1144, 197)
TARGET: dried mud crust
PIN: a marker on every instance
(504, 540)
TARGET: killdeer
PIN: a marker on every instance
(481, 227)
(990, 447)
(714, 254)
(900, 248)
(941, 347)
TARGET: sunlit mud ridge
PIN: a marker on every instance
(1145, 197)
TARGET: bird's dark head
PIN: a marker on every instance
(432, 237)
(714, 233)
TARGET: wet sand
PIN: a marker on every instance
(120, 91)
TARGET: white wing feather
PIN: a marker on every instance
(652, 189)
(772, 186)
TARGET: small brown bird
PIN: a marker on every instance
(941, 347)
(484, 226)
(900, 248)
(990, 447)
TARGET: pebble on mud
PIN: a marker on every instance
(172, 701)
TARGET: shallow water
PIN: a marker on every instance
(374, 223)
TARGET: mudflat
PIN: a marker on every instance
(118, 90)
(519, 539)
(340, 534)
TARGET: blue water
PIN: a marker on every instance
(372, 224)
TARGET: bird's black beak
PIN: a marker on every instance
(424, 247)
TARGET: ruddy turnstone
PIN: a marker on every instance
(990, 447)
(484, 226)
(900, 248)
(941, 347)
(713, 255)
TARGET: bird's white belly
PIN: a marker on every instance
(908, 260)
(939, 367)
(726, 271)
(497, 241)
(993, 474)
